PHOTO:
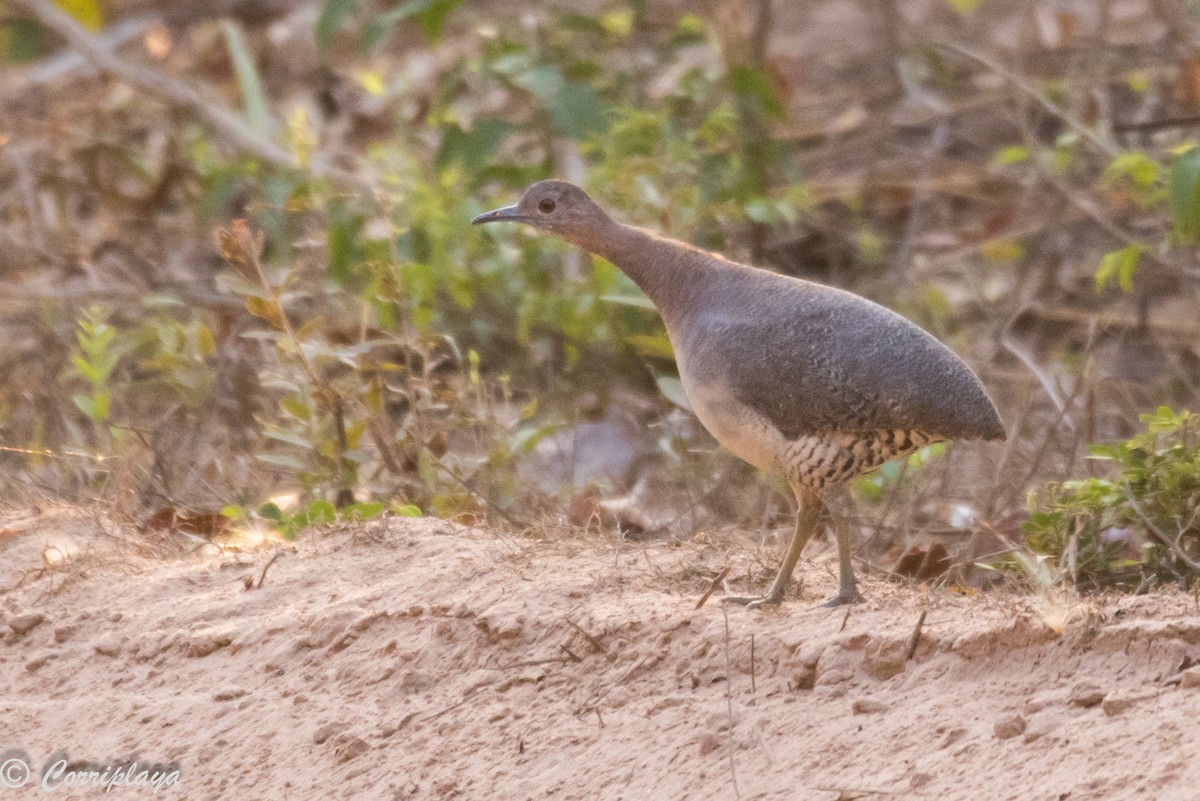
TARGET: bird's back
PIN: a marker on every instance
(813, 359)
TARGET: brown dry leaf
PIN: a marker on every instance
(1188, 81)
(923, 564)
(1068, 24)
(266, 309)
(241, 247)
(204, 524)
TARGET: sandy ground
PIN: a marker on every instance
(414, 659)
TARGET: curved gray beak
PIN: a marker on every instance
(506, 214)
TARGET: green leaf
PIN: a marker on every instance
(636, 301)
(317, 513)
(290, 437)
(85, 405)
(1134, 165)
(1012, 154)
(472, 149)
(406, 510)
(85, 370)
(254, 96)
(281, 460)
(86, 12)
(343, 233)
(271, 511)
(23, 40)
(526, 439)
(762, 210)
(542, 82)
(331, 19)
(964, 7)
(431, 15)
(656, 346)
(753, 83)
(433, 19)
(578, 111)
(672, 390)
(1119, 264)
(363, 511)
(427, 465)
(1184, 195)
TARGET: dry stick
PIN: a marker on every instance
(471, 694)
(263, 575)
(174, 92)
(595, 643)
(1111, 228)
(845, 619)
(915, 639)
(64, 64)
(729, 705)
(920, 196)
(1026, 358)
(716, 582)
(753, 685)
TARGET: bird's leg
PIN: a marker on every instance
(848, 587)
(808, 517)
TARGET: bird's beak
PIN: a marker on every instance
(506, 214)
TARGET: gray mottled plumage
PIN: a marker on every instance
(793, 376)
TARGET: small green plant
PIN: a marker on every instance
(1140, 525)
(318, 513)
(94, 359)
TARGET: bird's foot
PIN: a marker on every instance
(753, 601)
(773, 597)
(843, 598)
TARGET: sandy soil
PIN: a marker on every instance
(415, 659)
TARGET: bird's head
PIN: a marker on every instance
(554, 206)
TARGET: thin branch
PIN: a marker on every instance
(225, 122)
(1158, 532)
(1032, 91)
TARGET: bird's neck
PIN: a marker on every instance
(665, 269)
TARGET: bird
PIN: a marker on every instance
(795, 377)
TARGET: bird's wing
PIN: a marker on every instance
(811, 360)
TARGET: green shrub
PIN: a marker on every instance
(1143, 524)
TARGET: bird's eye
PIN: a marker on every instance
(546, 205)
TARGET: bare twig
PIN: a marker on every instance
(1032, 91)
(20, 160)
(1026, 358)
(915, 638)
(474, 691)
(716, 582)
(729, 705)
(1093, 213)
(1166, 540)
(62, 65)
(595, 643)
(263, 575)
(753, 684)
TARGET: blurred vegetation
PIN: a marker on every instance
(345, 334)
